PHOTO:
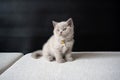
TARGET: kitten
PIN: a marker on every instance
(60, 44)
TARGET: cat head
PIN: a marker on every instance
(64, 28)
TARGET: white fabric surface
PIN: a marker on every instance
(87, 66)
(7, 59)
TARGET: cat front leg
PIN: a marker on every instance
(68, 56)
(59, 57)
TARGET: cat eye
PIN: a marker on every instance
(57, 29)
(64, 29)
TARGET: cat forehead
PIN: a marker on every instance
(62, 24)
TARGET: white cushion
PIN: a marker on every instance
(87, 66)
(7, 59)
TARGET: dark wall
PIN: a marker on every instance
(25, 25)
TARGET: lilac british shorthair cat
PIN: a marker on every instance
(59, 45)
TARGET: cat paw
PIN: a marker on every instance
(50, 58)
(69, 59)
(61, 61)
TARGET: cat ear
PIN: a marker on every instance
(54, 23)
(70, 22)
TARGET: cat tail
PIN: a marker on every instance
(37, 54)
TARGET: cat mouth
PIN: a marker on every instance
(60, 34)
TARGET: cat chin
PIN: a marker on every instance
(62, 35)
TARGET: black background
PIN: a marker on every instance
(25, 25)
